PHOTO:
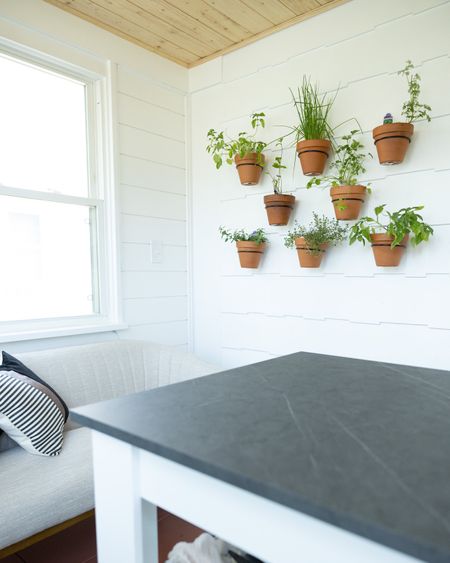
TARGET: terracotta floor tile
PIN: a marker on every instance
(173, 530)
(74, 545)
(162, 514)
(77, 544)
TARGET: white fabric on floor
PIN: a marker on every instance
(205, 549)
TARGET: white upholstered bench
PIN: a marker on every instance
(40, 494)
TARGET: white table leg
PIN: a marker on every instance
(127, 525)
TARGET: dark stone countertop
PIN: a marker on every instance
(362, 445)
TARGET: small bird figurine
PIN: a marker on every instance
(388, 119)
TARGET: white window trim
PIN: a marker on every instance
(102, 136)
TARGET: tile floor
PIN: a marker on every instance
(77, 544)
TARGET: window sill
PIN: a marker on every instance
(60, 331)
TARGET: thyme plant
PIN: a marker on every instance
(321, 230)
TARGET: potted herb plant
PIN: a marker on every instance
(392, 139)
(245, 150)
(278, 205)
(390, 238)
(347, 195)
(250, 247)
(312, 241)
(313, 131)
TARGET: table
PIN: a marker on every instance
(303, 458)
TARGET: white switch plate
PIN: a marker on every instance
(156, 252)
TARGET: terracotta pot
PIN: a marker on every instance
(347, 201)
(249, 168)
(383, 253)
(250, 253)
(313, 155)
(307, 258)
(278, 208)
(392, 141)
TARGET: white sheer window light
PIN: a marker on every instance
(55, 217)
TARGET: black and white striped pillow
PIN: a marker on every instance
(31, 412)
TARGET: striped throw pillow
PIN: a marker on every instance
(31, 413)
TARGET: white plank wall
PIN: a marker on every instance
(153, 208)
(150, 108)
(348, 307)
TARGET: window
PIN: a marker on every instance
(56, 203)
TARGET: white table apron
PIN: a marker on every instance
(130, 483)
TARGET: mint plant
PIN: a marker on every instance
(399, 224)
(258, 236)
(226, 149)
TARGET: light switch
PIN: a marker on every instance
(156, 252)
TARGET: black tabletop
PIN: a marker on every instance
(362, 445)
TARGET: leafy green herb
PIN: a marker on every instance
(226, 149)
(399, 224)
(413, 110)
(347, 166)
(277, 180)
(258, 236)
(321, 230)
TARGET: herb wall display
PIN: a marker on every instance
(388, 232)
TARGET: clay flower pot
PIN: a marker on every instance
(392, 141)
(278, 208)
(313, 156)
(249, 168)
(307, 258)
(347, 201)
(383, 253)
(250, 253)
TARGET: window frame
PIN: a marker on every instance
(102, 169)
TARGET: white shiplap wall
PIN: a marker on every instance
(348, 307)
(153, 208)
(150, 97)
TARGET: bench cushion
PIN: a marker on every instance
(40, 492)
(97, 372)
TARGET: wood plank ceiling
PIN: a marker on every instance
(190, 32)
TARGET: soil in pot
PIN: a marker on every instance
(392, 141)
(383, 253)
(313, 156)
(249, 168)
(278, 208)
(347, 201)
(250, 253)
(309, 257)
